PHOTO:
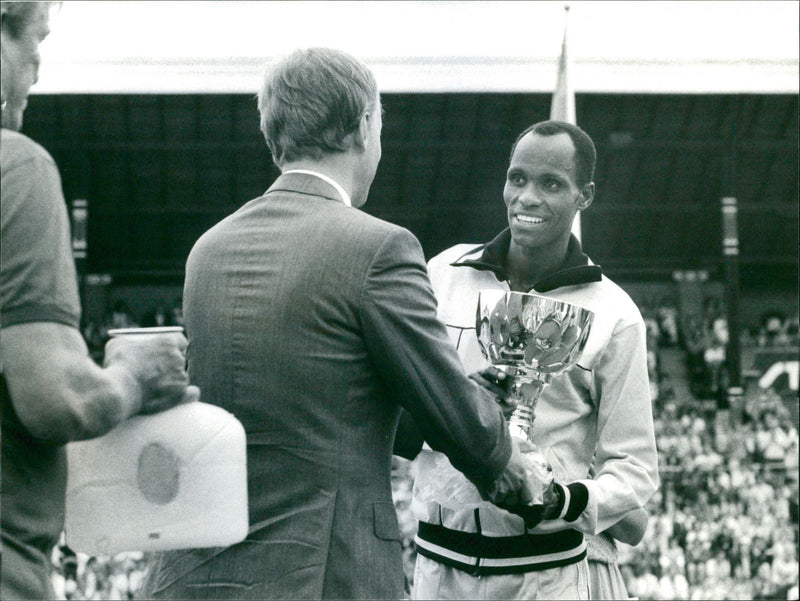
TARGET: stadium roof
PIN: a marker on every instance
(428, 47)
(148, 108)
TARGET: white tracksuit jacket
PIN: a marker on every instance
(599, 411)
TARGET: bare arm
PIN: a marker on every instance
(60, 394)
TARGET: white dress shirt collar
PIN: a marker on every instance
(345, 196)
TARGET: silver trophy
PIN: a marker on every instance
(531, 338)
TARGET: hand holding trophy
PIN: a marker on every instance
(531, 338)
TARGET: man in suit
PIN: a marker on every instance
(313, 323)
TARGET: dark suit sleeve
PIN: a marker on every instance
(408, 439)
(420, 366)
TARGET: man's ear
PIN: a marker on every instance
(361, 135)
(587, 196)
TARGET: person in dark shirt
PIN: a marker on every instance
(51, 391)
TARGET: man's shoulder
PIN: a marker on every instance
(455, 254)
(334, 213)
(454, 276)
(329, 226)
(615, 292)
(610, 298)
(370, 221)
(368, 230)
(17, 148)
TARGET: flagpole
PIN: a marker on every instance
(562, 106)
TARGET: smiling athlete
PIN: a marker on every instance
(593, 424)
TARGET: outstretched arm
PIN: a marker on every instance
(59, 394)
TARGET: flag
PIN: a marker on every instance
(562, 107)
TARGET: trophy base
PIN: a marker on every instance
(540, 475)
(519, 431)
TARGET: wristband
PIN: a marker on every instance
(564, 496)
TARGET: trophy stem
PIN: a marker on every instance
(521, 421)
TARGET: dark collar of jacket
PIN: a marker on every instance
(304, 183)
(576, 268)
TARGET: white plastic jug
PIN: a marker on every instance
(172, 480)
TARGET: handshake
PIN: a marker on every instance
(526, 486)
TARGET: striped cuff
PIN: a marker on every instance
(565, 497)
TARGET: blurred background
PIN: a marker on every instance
(149, 111)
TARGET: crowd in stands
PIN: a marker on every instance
(724, 524)
(777, 330)
(78, 576)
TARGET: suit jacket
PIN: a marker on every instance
(313, 323)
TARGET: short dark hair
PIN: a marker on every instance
(311, 100)
(585, 152)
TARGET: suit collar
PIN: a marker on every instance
(342, 193)
(576, 268)
(304, 183)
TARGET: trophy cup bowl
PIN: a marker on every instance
(531, 338)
